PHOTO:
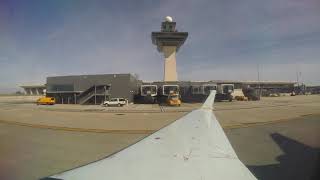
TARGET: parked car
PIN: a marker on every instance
(115, 102)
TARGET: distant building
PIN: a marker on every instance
(38, 89)
(266, 87)
(92, 89)
(313, 89)
(197, 91)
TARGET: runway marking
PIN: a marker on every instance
(39, 126)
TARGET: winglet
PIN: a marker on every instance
(208, 104)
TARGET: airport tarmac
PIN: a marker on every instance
(37, 141)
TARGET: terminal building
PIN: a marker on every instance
(35, 89)
(197, 91)
(92, 89)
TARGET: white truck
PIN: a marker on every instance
(115, 102)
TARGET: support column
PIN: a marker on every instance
(26, 91)
(170, 65)
(95, 94)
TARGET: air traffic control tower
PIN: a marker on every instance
(168, 41)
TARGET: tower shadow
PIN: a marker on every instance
(299, 162)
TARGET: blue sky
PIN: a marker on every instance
(227, 39)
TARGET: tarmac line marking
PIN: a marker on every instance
(105, 111)
(59, 128)
(250, 124)
(39, 126)
(240, 125)
(161, 108)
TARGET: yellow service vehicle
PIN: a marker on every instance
(46, 101)
(174, 100)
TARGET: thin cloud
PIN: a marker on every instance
(227, 39)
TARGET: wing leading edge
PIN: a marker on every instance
(193, 147)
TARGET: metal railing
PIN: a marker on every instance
(91, 92)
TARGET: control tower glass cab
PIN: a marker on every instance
(168, 26)
(168, 42)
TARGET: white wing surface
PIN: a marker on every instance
(193, 147)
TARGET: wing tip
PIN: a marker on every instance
(208, 104)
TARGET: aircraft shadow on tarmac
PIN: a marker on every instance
(299, 161)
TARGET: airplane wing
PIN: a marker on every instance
(193, 147)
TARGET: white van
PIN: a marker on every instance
(115, 102)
